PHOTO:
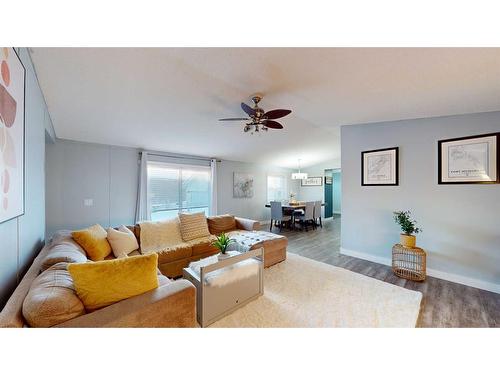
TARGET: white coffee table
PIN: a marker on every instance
(220, 289)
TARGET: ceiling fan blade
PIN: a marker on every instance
(248, 110)
(234, 119)
(272, 124)
(277, 113)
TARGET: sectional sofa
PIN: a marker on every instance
(46, 297)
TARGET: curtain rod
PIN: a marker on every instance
(178, 156)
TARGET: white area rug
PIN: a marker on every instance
(301, 292)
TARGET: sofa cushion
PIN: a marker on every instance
(160, 235)
(100, 284)
(193, 225)
(63, 252)
(203, 245)
(94, 242)
(51, 299)
(221, 224)
(181, 251)
(122, 241)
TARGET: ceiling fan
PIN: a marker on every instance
(259, 120)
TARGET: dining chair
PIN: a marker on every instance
(317, 213)
(307, 217)
(277, 216)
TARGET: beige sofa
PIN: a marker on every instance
(172, 304)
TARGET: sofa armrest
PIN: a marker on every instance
(247, 224)
(170, 305)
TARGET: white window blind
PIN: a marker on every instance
(177, 187)
(276, 187)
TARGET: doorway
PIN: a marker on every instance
(333, 192)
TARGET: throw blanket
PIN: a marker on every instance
(229, 274)
(245, 240)
(160, 236)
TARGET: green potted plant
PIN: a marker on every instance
(408, 228)
(221, 243)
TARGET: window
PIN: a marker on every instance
(276, 188)
(173, 188)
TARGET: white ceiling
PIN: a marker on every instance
(169, 99)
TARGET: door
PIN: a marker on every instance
(328, 193)
(337, 192)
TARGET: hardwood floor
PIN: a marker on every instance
(444, 304)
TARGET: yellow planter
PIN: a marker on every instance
(407, 241)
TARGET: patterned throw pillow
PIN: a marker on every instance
(193, 226)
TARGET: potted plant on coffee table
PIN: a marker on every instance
(408, 228)
(222, 242)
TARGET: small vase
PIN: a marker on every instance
(223, 256)
(407, 240)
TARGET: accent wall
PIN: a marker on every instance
(461, 223)
(23, 237)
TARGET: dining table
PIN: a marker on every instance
(292, 206)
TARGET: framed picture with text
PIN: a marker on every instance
(312, 181)
(380, 167)
(469, 160)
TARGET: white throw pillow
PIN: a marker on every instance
(122, 241)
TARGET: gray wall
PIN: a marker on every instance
(461, 223)
(78, 171)
(108, 175)
(23, 237)
(252, 208)
(316, 193)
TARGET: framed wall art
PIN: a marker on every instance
(469, 160)
(242, 185)
(312, 181)
(12, 97)
(380, 167)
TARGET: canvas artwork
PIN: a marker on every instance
(242, 185)
(380, 167)
(12, 85)
(468, 160)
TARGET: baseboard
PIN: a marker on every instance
(469, 281)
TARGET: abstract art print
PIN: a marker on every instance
(380, 167)
(12, 87)
(469, 160)
(242, 185)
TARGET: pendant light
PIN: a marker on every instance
(299, 176)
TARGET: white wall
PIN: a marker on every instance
(23, 237)
(461, 223)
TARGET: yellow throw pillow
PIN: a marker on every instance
(193, 225)
(94, 242)
(100, 284)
